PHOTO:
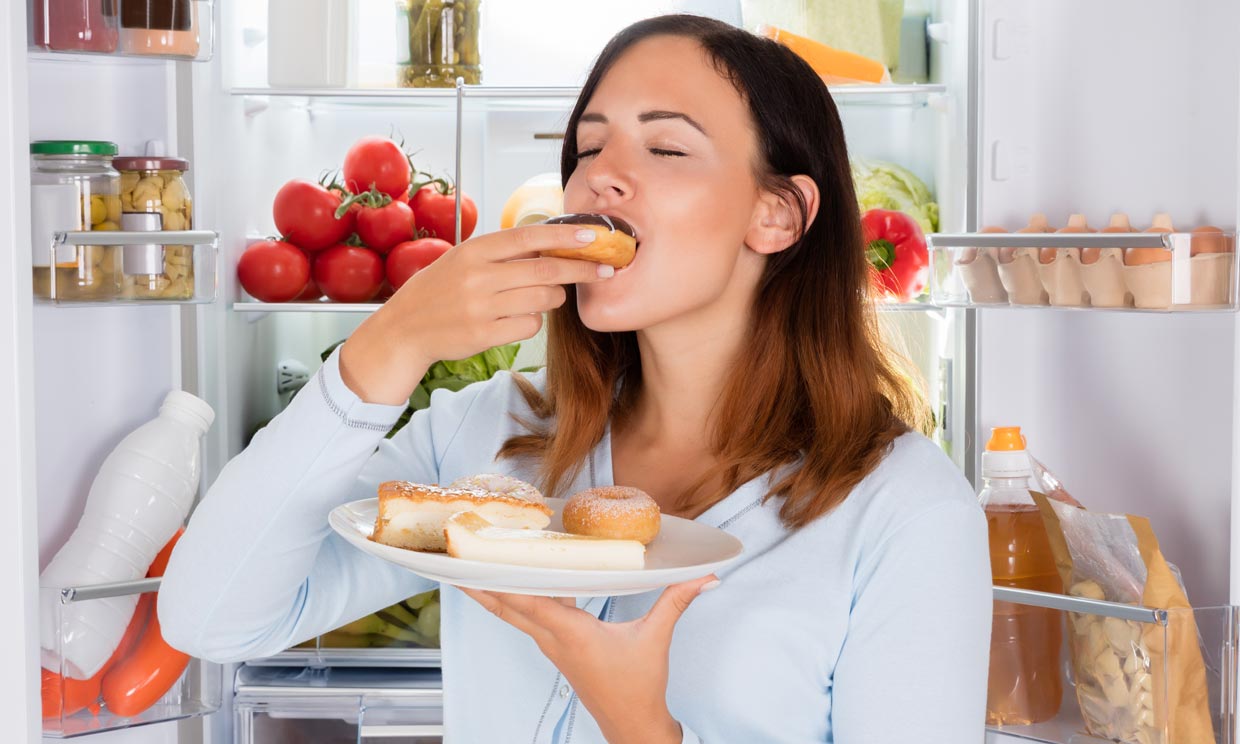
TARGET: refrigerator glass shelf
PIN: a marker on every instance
(68, 713)
(325, 306)
(480, 97)
(428, 658)
(1134, 638)
(1134, 272)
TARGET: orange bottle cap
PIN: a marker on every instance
(1006, 439)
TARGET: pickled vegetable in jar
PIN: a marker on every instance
(154, 198)
(443, 43)
(74, 187)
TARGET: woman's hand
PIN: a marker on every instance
(487, 291)
(619, 670)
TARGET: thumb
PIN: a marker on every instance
(675, 599)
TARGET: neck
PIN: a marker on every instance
(684, 369)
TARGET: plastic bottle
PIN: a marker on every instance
(141, 495)
(1025, 685)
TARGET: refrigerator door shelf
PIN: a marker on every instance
(72, 707)
(1097, 634)
(179, 30)
(169, 267)
(1154, 272)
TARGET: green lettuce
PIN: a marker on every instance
(883, 185)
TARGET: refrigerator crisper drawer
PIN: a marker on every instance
(338, 706)
(1153, 272)
(90, 684)
(1126, 673)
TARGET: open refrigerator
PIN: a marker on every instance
(1055, 107)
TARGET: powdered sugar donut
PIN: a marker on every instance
(618, 512)
(495, 483)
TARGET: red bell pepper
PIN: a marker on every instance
(896, 248)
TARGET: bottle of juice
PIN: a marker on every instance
(1025, 685)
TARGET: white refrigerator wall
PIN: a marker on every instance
(1099, 107)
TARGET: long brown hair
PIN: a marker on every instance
(816, 387)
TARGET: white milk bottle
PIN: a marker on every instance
(141, 495)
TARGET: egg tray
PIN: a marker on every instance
(1158, 272)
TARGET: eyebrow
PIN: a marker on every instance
(645, 118)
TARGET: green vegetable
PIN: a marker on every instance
(883, 185)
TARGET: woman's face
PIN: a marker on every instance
(667, 144)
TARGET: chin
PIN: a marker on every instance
(607, 308)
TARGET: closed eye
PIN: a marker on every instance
(667, 153)
(589, 153)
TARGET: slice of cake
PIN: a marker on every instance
(412, 516)
(473, 538)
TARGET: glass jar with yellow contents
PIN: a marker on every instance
(73, 186)
(154, 198)
(443, 43)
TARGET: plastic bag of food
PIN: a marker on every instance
(1135, 681)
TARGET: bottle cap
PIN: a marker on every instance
(1005, 455)
(195, 408)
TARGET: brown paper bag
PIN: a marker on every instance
(1134, 681)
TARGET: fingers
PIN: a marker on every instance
(541, 618)
(548, 270)
(526, 300)
(531, 239)
(675, 599)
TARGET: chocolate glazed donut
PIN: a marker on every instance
(615, 245)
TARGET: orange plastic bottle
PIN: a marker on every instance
(1024, 685)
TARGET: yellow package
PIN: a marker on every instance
(1135, 682)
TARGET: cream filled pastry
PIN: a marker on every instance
(412, 516)
(471, 537)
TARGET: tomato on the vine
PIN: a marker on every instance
(347, 273)
(434, 207)
(305, 214)
(273, 271)
(383, 227)
(378, 163)
(409, 258)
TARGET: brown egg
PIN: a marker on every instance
(1143, 256)
(1037, 224)
(1076, 224)
(1119, 224)
(1209, 239)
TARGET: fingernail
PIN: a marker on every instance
(605, 271)
(709, 585)
(586, 236)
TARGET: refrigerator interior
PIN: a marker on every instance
(1096, 107)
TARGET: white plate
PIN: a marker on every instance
(684, 550)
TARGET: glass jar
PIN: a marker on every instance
(154, 197)
(75, 25)
(162, 27)
(74, 187)
(443, 43)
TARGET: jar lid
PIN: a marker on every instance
(73, 147)
(149, 162)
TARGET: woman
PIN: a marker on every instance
(733, 371)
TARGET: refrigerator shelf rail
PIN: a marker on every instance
(79, 707)
(325, 656)
(1132, 700)
(1138, 272)
(118, 267)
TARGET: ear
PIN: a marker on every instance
(776, 223)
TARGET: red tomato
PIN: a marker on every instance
(379, 163)
(409, 258)
(273, 271)
(435, 209)
(383, 227)
(346, 273)
(305, 214)
(311, 293)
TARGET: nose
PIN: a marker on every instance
(609, 176)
